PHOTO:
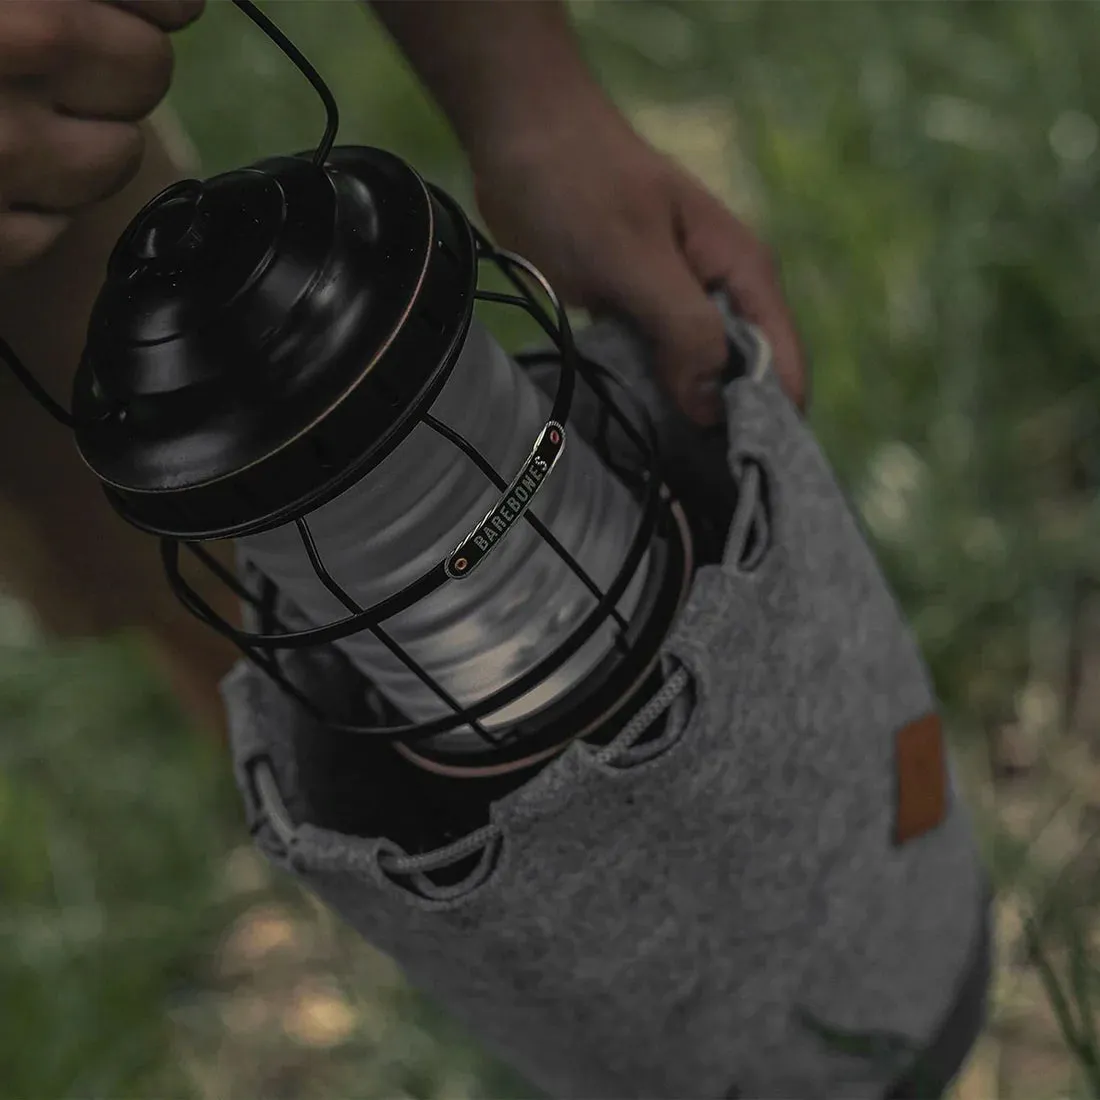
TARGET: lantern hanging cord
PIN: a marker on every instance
(332, 112)
(35, 388)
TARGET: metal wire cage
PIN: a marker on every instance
(642, 476)
(191, 447)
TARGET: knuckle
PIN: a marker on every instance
(170, 15)
(143, 73)
(102, 167)
(13, 146)
(38, 36)
(122, 163)
(23, 237)
(188, 12)
(159, 66)
(641, 213)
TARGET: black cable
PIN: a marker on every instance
(34, 387)
(332, 112)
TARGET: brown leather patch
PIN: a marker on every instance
(921, 764)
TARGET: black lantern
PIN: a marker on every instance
(287, 356)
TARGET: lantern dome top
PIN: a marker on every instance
(265, 336)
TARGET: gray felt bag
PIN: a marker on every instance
(776, 896)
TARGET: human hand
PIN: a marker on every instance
(76, 78)
(619, 228)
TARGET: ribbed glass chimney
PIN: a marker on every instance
(474, 635)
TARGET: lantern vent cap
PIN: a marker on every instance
(239, 313)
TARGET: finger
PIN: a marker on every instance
(93, 60)
(120, 66)
(758, 298)
(35, 37)
(57, 164)
(670, 306)
(169, 15)
(25, 236)
(720, 248)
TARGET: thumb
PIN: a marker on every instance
(660, 294)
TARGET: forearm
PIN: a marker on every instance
(494, 65)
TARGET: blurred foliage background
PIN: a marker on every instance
(928, 175)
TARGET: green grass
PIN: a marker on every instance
(114, 819)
